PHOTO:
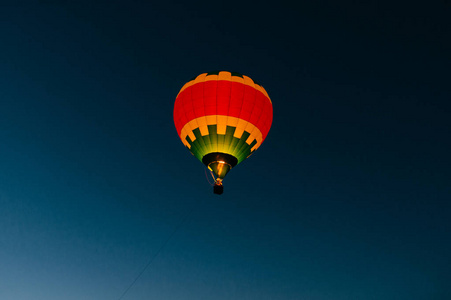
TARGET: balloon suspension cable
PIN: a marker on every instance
(218, 188)
(211, 173)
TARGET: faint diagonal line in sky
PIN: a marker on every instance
(158, 252)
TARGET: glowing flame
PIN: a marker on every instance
(221, 165)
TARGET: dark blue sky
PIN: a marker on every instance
(348, 197)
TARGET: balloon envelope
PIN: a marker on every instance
(222, 118)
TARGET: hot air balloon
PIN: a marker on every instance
(222, 118)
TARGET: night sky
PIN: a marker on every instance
(349, 196)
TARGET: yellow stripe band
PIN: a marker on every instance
(224, 75)
(222, 122)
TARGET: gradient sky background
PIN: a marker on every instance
(348, 197)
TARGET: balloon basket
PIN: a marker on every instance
(218, 188)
